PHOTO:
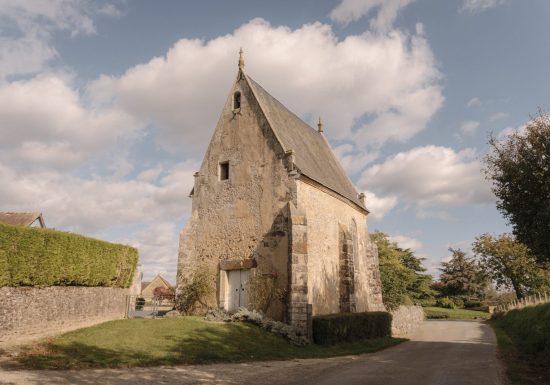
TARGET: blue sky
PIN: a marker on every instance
(106, 107)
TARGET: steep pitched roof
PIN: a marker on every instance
(313, 156)
(21, 219)
(144, 284)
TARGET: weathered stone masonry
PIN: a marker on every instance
(270, 190)
(297, 270)
(27, 312)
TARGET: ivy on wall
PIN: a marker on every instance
(45, 257)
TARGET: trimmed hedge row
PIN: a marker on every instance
(44, 257)
(529, 329)
(348, 327)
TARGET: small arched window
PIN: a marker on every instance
(236, 100)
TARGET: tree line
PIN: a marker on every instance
(518, 165)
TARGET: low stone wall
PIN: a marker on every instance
(28, 313)
(406, 319)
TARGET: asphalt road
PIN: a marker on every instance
(440, 353)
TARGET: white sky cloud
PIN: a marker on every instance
(498, 116)
(406, 242)
(65, 148)
(69, 148)
(511, 130)
(430, 176)
(354, 160)
(29, 49)
(90, 205)
(474, 102)
(158, 247)
(475, 6)
(392, 78)
(469, 127)
(379, 206)
(44, 123)
(352, 10)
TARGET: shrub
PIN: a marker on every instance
(446, 303)
(459, 303)
(529, 328)
(289, 332)
(193, 291)
(45, 257)
(427, 302)
(472, 304)
(347, 327)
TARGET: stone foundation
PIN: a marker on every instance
(27, 313)
(406, 319)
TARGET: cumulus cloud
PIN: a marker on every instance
(109, 209)
(66, 148)
(511, 130)
(498, 116)
(352, 159)
(45, 123)
(89, 205)
(475, 6)
(406, 242)
(158, 247)
(29, 48)
(353, 10)
(474, 102)
(469, 127)
(392, 79)
(379, 206)
(430, 176)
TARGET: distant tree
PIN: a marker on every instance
(401, 273)
(519, 167)
(462, 277)
(510, 264)
(163, 293)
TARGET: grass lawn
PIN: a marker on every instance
(182, 340)
(442, 313)
(519, 369)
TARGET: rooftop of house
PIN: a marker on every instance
(158, 278)
(22, 219)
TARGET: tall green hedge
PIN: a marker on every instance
(348, 327)
(44, 257)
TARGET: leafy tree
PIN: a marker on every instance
(400, 273)
(162, 293)
(510, 264)
(462, 277)
(519, 167)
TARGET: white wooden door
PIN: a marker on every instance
(237, 289)
(243, 298)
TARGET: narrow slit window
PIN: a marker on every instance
(237, 100)
(224, 170)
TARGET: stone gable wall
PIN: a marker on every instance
(326, 217)
(246, 216)
(27, 312)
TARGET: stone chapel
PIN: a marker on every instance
(271, 198)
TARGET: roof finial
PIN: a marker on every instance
(241, 59)
(320, 125)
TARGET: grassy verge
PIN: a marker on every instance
(184, 340)
(442, 313)
(519, 369)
